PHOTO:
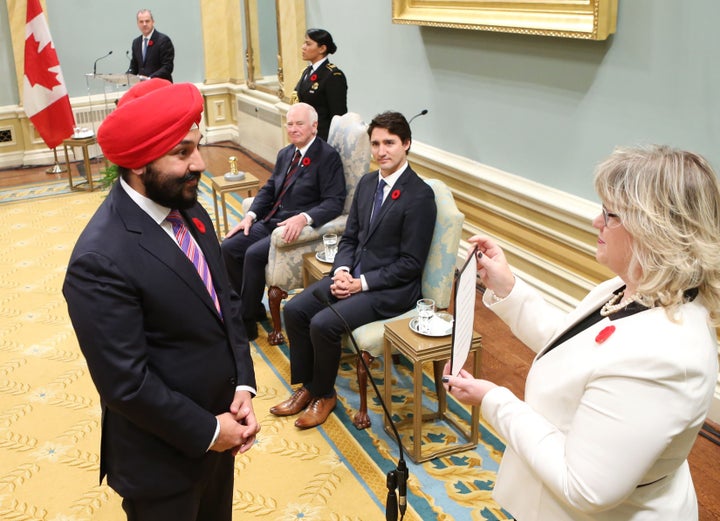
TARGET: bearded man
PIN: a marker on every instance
(157, 321)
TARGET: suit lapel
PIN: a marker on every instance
(158, 243)
(581, 312)
(388, 203)
(310, 155)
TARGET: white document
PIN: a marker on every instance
(465, 291)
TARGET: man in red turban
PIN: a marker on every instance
(156, 319)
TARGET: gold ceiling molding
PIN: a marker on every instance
(584, 19)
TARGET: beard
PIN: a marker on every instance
(169, 191)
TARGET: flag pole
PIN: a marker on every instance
(56, 168)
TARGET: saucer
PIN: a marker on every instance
(321, 257)
(441, 324)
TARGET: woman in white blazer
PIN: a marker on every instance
(621, 385)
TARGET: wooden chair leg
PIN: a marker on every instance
(275, 296)
(362, 420)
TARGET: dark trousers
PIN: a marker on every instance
(246, 257)
(315, 333)
(209, 500)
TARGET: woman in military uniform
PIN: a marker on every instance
(322, 84)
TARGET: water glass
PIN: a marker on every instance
(425, 310)
(330, 241)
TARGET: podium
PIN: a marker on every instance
(103, 92)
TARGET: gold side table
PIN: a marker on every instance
(84, 144)
(312, 269)
(419, 349)
(221, 186)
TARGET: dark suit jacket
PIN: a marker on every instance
(393, 250)
(162, 359)
(159, 58)
(317, 188)
(327, 94)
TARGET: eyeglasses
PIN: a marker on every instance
(612, 220)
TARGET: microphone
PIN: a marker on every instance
(421, 113)
(395, 478)
(95, 64)
(127, 55)
(402, 476)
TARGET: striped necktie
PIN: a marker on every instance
(193, 252)
(288, 177)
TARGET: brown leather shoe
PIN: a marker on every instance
(294, 404)
(316, 413)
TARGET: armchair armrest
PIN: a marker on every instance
(308, 234)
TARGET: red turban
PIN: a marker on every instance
(151, 118)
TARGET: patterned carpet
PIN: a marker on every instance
(49, 411)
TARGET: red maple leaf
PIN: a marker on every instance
(38, 64)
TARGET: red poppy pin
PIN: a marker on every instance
(313, 77)
(199, 224)
(306, 161)
(395, 194)
(604, 334)
(150, 43)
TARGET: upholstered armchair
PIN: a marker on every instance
(348, 135)
(437, 283)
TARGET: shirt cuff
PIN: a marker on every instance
(307, 217)
(253, 215)
(215, 436)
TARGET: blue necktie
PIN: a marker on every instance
(378, 200)
(377, 203)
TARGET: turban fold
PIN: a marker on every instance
(150, 119)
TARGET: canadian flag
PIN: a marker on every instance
(46, 99)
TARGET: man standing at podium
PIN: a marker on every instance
(153, 53)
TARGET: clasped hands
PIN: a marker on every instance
(344, 285)
(238, 427)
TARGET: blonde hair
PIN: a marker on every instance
(668, 200)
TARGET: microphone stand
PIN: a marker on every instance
(421, 113)
(95, 64)
(396, 479)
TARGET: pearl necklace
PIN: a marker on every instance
(611, 307)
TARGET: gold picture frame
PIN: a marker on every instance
(584, 19)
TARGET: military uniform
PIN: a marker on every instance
(326, 90)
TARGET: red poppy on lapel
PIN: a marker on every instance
(150, 43)
(199, 224)
(395, 194)
(313, 77)
(306, 161)
(604, 334)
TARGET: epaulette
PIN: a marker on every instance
(330, 66)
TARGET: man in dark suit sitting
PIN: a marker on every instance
(307, 187)
(376, 273)
(157, 321)
(153, 54)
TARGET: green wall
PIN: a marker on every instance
(547, 109)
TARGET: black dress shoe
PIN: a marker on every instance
(251, 329)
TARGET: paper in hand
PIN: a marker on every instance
(465, 291)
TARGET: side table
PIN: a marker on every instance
(84, 144)
(221, 186)
(312, 269)
(418, 349)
